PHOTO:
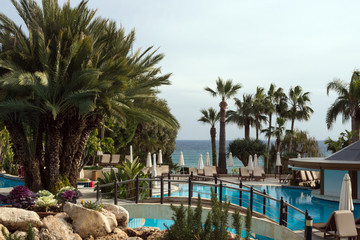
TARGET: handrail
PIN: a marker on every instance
(219, 186)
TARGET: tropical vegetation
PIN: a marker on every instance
(62, 76)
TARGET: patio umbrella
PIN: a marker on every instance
(148, 160)
(346, 202)
(256, 164)
(250, 164)
(200, 162)
(160, 158)
(298, 156)
(131, 155)
(154, 168)
(231, 161)
(207, 162)
(278, 160)
(181, 160)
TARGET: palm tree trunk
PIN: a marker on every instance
(213, 145)
(268, 144)
(278, 141)
(291, 134)
(257, 127)
(247, 130)
(355, 124)
(222, 157)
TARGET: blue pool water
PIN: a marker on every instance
(6, 182)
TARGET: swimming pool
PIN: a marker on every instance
(6, 181)
(319, 210)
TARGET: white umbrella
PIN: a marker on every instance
(200, 162)
(256, 164)
(131, 155)
(160, 157)
(154, 168)
(181, 160)
(148, 160)
(278, 160)
(231, 161)
(207, 162)
(250, 164)
(346, 202)
(298, 156)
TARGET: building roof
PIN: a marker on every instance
(347, 158)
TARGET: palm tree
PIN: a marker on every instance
(278, 132)
(225, 90)
(243, 116)
(259, 109)
(274, 101)
(63, 77)
(298, 108)
(211, 116)
(347, 103)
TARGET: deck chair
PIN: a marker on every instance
(115, 159)
(193, 169)
(214, 171)
(105, 160)
(328, 228)
(208, 172)
(200, 172)
(345, 225)
(257, 175)
(316, 175)
(244, 173)
(303, 176)
(165, 169)
(145, 170)
(309, 176)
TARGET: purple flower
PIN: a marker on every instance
(20, 197)
(20, 192)
(68, 195)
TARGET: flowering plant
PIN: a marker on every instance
(20, 197)
(68, 194)
(45, 193)
(46, 202)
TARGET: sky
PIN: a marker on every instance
(252, 42)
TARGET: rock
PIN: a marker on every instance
(121, 214)
(88, 222)
(131, 232)
(20, 234)
(46, 235)
(60, 228)
(18, 219)
(134, 238)
(6, 231)
(157, 235)
(117, 234)
(145, 232)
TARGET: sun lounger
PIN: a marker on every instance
(257, 175)
(316, 175)
(105, 160)
(145, 170)
(309, 176)
(193, 170)
(244, 173)
(164, 170)
(115, 159)
(214, 171)
(200, 172)
(303, 176)
(340, 224)
(208, 172)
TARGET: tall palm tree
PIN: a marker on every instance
(259, 109)
(298, 108)
(278, 132)
(347, 103)
(273, 102)
(243, 116)
(63, 77)
(226, 90)
(211, 116)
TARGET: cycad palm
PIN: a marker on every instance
(298, 108)
(347, 103)
(77, 69)
(211, 116)
(225, 90)
(243, 116)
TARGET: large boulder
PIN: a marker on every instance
(88, 222)
(59, 227)
(121, 214)
(145, 232)
(18, 219)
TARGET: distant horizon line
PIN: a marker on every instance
(226, 140)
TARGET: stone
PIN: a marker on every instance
(59, 227)
(157, 235)
(145, 232)
(121, 214)
(134, 238)
(88, 222)
(117, 234)
(130, 232)
(18, 219)
(6, 231)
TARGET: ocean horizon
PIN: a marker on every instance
(193, 148)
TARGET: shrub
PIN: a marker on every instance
(30, 233)
(93, 168)
(63, 182)
(9, 236)
(92, 205)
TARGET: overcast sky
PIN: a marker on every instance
(253, 42)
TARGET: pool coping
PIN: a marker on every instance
(11, 177)
(316, 194)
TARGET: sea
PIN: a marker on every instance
(193, 148)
